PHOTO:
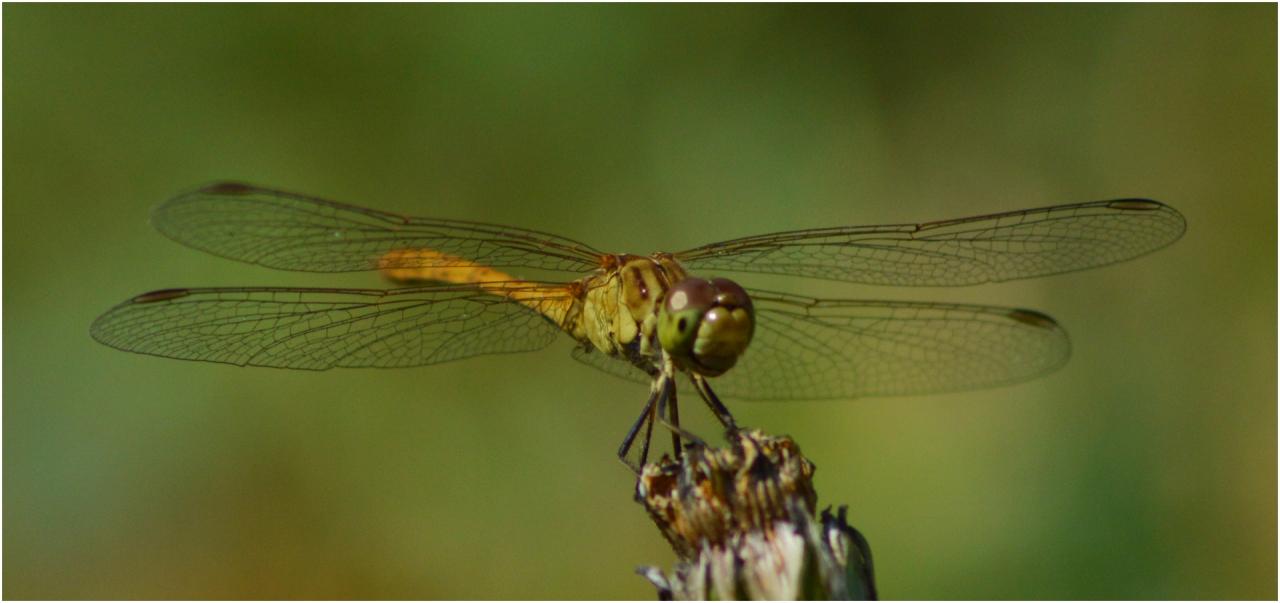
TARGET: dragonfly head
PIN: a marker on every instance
(705, 325)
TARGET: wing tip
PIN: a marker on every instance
(1140, 205)
(221, 188)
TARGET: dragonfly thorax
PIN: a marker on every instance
(638, 307)
(619, 305)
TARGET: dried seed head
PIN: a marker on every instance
(742, 522)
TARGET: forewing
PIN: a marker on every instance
(294, 232)
(968, 251)
(318, 329)
(812, 349)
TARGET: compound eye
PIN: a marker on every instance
(730, 294)
(690, 293)
(706, 325)
(681, 315)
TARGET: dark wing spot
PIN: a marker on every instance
(159, 296)
(1033, 318)
(1135, 204)
(229, 188)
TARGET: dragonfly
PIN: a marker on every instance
(644, 318)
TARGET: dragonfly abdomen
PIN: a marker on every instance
(560, 305)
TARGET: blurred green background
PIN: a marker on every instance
(1144, 469)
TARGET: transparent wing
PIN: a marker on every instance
(614, 365)
(968, 251)
(318, 329)
(813, 349)
(293, 232)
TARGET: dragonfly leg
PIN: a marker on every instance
(674, 418)
(646, 419)
(669, 386)
(713, 401)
